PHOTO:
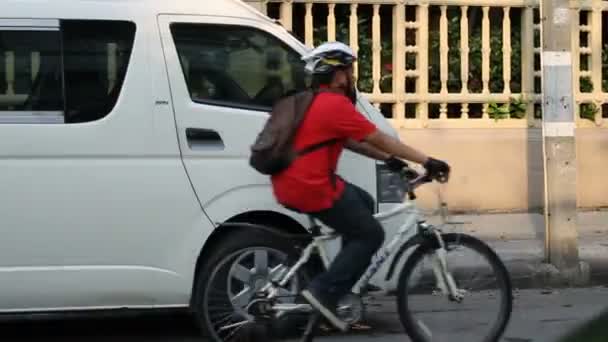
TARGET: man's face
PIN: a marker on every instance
(345, 79)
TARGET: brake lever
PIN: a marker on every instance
(417, 181)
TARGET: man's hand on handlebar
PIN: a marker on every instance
(396, 164)
(437, 169)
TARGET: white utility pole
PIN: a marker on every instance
(558, 137)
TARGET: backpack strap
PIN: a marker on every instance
(317, 146)
(321, 144)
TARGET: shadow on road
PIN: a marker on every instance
(593, 330)
(166, 328)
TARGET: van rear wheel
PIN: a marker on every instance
(238, 267)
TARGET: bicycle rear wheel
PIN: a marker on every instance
(428, 315)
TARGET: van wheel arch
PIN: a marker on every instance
(270, 219)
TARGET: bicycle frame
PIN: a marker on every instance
(266, 307)
(412, 221)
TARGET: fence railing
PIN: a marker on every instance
(417, 68)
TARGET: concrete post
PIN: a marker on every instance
(558, 139)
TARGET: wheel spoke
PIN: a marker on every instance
(234, 326)
(225, 319)
(241, 273)
(275, 271)
(261, 262)
(242, 298)
(235, 330)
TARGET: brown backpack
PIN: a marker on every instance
(273, 150)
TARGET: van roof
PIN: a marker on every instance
(133, 9)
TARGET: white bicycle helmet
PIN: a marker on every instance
(327, 57)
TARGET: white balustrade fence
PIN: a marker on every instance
(416, 66)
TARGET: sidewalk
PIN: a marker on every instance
(519, 241)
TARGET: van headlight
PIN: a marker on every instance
(390, 186)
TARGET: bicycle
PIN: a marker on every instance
(264, 308)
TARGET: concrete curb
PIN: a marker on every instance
(518, 239)
(530, 275)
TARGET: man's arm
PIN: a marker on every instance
(394, 147)
(347, 122)
(366, 149)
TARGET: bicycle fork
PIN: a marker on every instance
(445, 281)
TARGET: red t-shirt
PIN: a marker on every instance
(307, 185)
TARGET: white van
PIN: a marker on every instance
(125, 129)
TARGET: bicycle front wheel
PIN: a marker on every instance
(429, 315)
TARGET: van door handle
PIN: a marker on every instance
(204, 139)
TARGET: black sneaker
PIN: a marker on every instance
(322, 305)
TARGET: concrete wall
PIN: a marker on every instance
(502, 169)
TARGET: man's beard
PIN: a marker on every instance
(350, 91)
(352, 95)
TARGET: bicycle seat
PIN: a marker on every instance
(314, 226)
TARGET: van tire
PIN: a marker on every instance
(240, 241)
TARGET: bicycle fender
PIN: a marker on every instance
(269, 229)
(412, 242)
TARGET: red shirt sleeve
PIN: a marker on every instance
(347, 122)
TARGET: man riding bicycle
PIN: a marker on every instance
(310, 184)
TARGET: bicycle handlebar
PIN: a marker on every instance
(415, 179)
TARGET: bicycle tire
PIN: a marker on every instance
(405, 315)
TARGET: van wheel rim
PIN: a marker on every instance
(251, 271)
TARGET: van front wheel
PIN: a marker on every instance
(237, 268)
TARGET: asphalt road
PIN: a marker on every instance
(538, 315)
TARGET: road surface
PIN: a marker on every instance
(539, 315)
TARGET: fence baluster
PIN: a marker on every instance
(506, 50)
(331, 22)
(377, 48)
(308, 26)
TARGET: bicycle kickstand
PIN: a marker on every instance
(311, 327)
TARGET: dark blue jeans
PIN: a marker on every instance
(362, 235)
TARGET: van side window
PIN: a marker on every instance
(69, 72)
(96, 56)
(236, 66)
(30, 76)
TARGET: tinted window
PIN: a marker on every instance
(96, 56)
(236, 66)
(70, 73)
(30, 75)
